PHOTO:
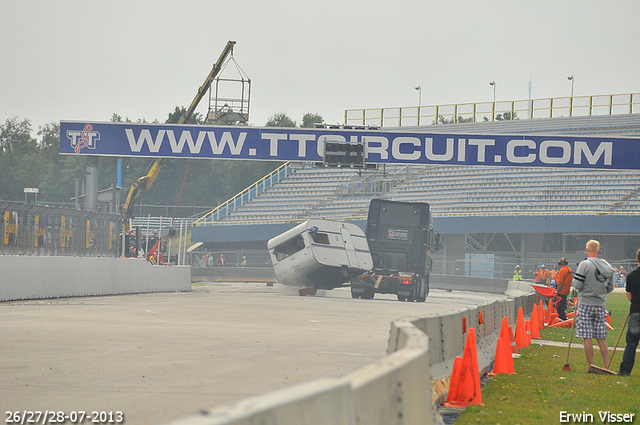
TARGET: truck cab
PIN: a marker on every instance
(401, 240)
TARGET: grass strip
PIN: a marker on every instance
(617, 304)
(541, 391)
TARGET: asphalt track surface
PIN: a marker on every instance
(157, 357)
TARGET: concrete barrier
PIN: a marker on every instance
(402, 388)
(468, 283)
(233, 274)
(394, 390)
(397, 388)
(323, 401)
(31, 277)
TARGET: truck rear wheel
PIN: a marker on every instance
(368, 294)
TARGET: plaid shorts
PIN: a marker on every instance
(591, 322)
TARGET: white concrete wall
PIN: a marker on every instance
(394, 390)
(30, 277)
(399, 389)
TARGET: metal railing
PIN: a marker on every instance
(244, 196)
(613, 104)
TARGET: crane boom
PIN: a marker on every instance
(145, 182)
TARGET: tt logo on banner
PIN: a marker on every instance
(83, 139)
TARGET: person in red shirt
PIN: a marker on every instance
(563, 282)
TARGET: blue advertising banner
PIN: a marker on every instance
(381, 147)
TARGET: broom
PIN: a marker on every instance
(605, 371)
(573, 324)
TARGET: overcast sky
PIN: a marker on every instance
(85, 60)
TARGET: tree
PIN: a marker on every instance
(15, 136)
(459, 120)
(310, 119)
(174, 117)
(19, 158)
(280, 120)
(506, 116)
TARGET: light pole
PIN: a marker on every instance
(493, 107)
(570, 77)
(419, 101)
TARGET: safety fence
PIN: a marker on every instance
(612, 104)
(29, 229)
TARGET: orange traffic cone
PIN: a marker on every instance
(535, 324)
(528, 331)
(506, 336)
(521, 331)
(540, 315)
(466, 390)
(555, 320)
(503, 362)
(550, 310)
(504, 331)
(514, 347)
(455, 377)
(562, 324)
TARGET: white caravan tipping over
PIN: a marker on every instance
(320, 253)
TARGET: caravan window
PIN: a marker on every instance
(288, 248)
(322, 238)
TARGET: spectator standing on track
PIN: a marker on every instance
(593, 279)
(563, 282)
(633, 331)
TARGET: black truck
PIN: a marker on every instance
(401, 240)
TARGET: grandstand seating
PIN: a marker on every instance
(459, 190)
(158, 224)
(450, 190)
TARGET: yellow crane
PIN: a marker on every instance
(145, 182)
